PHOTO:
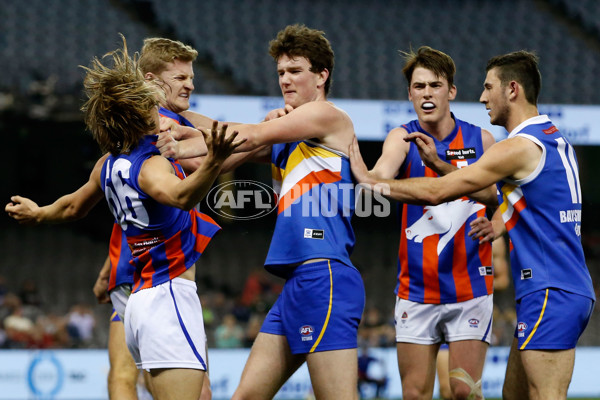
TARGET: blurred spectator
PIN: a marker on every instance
(376, 331)
(29, 293)
(371, 371)
(229, 334)
(18, 328)
(80, 325)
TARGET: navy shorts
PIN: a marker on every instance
(551, 319)
(319, 308)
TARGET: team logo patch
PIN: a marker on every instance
(526, 274)
(461, 154)
(474, 323)
(521, 328)
(314, 233)
(306, 332)
(485, 271)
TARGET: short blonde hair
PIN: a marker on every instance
(120, 104)
(158, 52)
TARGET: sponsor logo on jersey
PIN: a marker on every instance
(485, 271)
(550, 130)
(521, 328)
(526, 274)
(306, 331)
(314, 233)
(474, 323)
(461, 154)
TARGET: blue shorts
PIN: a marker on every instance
(114, 316)
(319, 308)
(551, 319)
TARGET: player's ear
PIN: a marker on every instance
(149, 76)
(452, 92)
(323, 76)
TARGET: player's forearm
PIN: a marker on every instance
(65, 209)
(194, 188)
(412, 190)
(191, 148)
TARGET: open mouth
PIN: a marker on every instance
(427, 106)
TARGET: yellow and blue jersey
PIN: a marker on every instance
(316, 203)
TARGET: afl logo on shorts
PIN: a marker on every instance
(474, 323)
(306, 331)
(521, 328)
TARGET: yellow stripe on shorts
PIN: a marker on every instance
(328, 310)
(537, 323)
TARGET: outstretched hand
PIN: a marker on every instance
(23, 210)
(426, 147)
(219, 144)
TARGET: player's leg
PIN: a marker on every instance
(467, 358)
(329, 324)
(416, 363)
(123, 373)
(334, 374)
(177, 383)
(537, 374)
(418, 340)
(442, 365)
(467, 327)
(550, 321)
(515, 380)
(269, 365)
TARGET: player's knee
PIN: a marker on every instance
(123, 378)
(412, 393)
(467, 389)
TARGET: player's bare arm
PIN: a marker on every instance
(510, 158)
(70, 207)
(100, 288)
(318, 120)
(158, 180)
(393, 154)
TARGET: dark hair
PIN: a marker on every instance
(520, 66)
(434, 60)
(300, 41)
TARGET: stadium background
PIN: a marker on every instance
(47, 151)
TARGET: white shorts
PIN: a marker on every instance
(164, 327)
(118, 297)
(435, 323)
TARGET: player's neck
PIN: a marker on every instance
(439, 129)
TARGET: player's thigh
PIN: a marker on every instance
(121, 362)
(515, 379)
(549, 372)
(269, 365)
(177, 383)
(417, 366)
(334, 374)
(468, 355)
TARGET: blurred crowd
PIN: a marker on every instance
(232, 317)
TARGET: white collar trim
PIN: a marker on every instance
(538, 119)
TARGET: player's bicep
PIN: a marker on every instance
(158, 180)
